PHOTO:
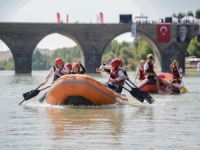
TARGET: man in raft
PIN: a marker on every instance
(150, 73)
(176, 77)
(117, 74)
(140, 71)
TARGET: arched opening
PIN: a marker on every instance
(6, 57)
(52, 46)
(132, 50)
(192, 59)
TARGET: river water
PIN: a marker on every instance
(172, 122)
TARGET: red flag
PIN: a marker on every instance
(101, 17)
(67, 19)
(163, 32)
(58, 17)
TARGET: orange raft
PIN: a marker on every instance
(76, 89)
(150, 86)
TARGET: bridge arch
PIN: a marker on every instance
(154, 46)
(66, 43)
(10, 61)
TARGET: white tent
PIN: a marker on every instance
(188, 19)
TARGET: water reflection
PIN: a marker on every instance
(67, 121)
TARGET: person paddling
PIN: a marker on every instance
(150, 73)
(176, 78)
(78, 68)
(55, 71)
(140, 71)
(117, 76)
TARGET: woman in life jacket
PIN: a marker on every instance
(117, 76)
(55, 71)
(140, 71)
(68, 68)
(176, 78)
(78, 68)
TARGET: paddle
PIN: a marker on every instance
(31, 94)
(138, 94)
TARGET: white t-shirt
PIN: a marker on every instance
(146, 66)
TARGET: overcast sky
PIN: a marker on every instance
(86, 11)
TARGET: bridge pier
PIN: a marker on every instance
(173, 51)
(23, 62)
(92, 58)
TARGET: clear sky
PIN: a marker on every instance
(85, 11)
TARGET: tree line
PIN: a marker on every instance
(130, 53)
(180, 15)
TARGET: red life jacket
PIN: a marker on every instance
(141, 73)
(150, 68)
(114, 75)
(175, 73)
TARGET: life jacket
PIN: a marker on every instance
(175, 73)
(114, 75)
(150, 68)
(141, 73)
(56, 76)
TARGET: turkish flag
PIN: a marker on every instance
(163, 32)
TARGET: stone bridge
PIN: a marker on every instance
(22, 39)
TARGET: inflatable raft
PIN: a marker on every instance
(76, 89)
(150, 86)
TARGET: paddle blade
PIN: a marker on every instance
(30, 94)
(184, 90)
(135, 94)
(141, 96)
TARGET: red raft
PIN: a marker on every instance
(150, 86)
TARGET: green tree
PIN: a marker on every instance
(197, 14)
(194, 47)
(130, 53)
(190, 13)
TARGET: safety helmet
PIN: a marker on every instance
(75, 64)
(68, 65)
(150, 56)
(58, 61)
(116, 63)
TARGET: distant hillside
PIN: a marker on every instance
(5, 55)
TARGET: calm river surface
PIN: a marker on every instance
(173, 122)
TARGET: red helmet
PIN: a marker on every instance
(116, 63)
(68, 65)
(58, 61)
(75, 64)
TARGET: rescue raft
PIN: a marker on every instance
(150, 86)
(77, 89)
